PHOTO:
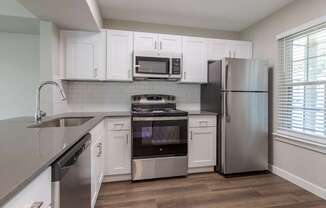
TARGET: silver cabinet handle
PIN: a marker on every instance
(203, 123)
(202, 133)
(190, 135)
(37, 205)
(118, 124)
(100, 149)
(155, 45)
(161, 47)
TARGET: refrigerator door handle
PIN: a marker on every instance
(227, 114)
(226, 76)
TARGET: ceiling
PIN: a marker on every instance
(230, 15)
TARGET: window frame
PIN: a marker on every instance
(285, 127)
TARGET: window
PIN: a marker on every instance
(302, 83)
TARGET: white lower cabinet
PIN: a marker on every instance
(97, 160)
(35, 194)
(202, 141)
(118, 154)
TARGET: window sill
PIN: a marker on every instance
(300, 141)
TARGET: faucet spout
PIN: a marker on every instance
(39, 114)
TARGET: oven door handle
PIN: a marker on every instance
(174, 118)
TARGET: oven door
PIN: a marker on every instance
(152, 67)
(159, 136)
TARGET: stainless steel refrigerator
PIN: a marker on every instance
(237, 90)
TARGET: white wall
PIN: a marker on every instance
(168, 29)
(49, 64)
(114, 96)
(309, 166)
(19, 69)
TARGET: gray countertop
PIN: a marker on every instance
(203, 113)
(26, 152)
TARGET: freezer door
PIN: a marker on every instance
(245, 132)
(245, 75)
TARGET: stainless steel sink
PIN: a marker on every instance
(62, 122)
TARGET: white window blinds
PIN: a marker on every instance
(302, 82)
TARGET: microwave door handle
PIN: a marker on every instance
(170, 67)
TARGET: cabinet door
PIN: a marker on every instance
(119, 55)
(84, 55)
(145, 41)
(118, 160)
(240, 49)
(194, 60)
(100, 161)
(94, 174)
(170, 43)
(38, 191)
(202, 147)
(217, 49)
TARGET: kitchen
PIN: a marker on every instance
(137, 115)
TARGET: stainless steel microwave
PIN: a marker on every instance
(153, 65)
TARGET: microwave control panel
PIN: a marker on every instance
(176, 66)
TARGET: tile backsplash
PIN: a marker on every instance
(115, 96)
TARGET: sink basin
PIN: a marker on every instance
(62, 122)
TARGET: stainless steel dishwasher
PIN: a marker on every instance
(71, 177)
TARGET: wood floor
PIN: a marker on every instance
(208, 191)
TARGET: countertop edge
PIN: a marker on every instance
(99, 117)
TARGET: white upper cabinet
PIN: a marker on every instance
(145, 41)
(157, 42)
(119, 55)
(194, 60)
(217, 49)
(83, 55)
(170, 43)
(240, 49)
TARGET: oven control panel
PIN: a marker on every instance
(176, 66)
(142, 99)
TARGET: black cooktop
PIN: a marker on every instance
(150, 105)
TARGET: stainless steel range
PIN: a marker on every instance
(159, 137)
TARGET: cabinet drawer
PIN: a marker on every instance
(202, 121)
(118, 124)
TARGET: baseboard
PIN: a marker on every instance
(127, 177)
(313, 188)
(201, 170)
(116, 178)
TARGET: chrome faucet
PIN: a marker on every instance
(39, 114)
